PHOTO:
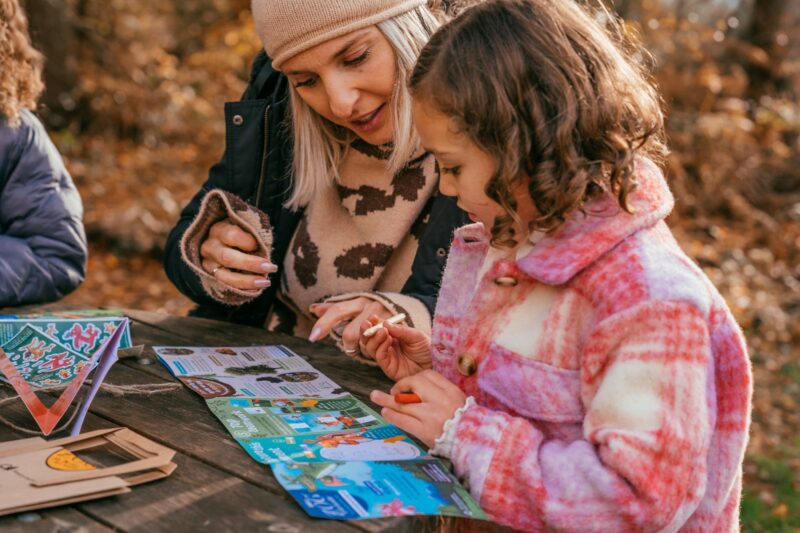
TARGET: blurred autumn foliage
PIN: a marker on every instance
(134, 102)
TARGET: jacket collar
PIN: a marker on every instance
(583, 239)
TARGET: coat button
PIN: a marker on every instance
(466, 365)
(238, 120)
(441, 252)
(506, 281)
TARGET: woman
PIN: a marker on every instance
(353, 224)
(42, 242)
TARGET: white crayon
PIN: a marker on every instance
(377, 327)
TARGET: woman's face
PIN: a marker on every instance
(349, 80)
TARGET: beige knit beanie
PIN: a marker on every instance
(288, 27)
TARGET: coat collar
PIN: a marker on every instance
(556, 258)
(583, 239)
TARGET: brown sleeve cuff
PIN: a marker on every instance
(219, 205)
(417, 315)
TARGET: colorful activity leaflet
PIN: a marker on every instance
(336, 456)
(264, 417)
(261, 371)
(312, 430)
(381, 443)
(34, 360)
(369, 489)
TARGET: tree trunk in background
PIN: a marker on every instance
(767, 23)
(52, 33)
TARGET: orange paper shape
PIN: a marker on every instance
(46, 417)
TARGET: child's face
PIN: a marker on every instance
(465, 169)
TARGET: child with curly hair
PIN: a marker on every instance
(42, 241)
(582, 373)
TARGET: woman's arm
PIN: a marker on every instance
(43, 250)
(238, 172)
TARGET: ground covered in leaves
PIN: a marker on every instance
(157, 124)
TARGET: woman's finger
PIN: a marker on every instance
(234, 279)
(233, 259)
(319, 309)
(338, 312)
(233, 236)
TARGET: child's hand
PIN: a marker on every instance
(399, 350)
(440, 399)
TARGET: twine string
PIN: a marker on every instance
(143, 389)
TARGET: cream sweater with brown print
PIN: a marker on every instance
(358, 238)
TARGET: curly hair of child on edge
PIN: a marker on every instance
(582, 374)
(21, 64)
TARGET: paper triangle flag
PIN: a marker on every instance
(47, 363)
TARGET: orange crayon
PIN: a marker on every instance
(407, 397)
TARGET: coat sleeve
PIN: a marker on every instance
(641, 464)
(43, 251)
(177, 270)
(220, 176)
(252, 313)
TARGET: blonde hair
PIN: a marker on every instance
(320, 146)
(21, 64)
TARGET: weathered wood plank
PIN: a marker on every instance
(196, 495)
(56, 520)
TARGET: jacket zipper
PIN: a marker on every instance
(264, 159)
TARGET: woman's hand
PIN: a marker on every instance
(399, 350)
(225, 256)
(425, 420)
(354, 312)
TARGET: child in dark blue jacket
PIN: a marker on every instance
(42, 241)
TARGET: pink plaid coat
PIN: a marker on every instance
(612, 383)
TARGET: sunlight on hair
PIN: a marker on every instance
(320, 147)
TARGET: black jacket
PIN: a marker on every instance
(256, 166)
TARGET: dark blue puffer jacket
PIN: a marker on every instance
(42, 242)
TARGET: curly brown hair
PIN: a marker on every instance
(21, 64)
(554, 97)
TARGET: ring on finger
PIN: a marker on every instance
(214, 270)
(350, 351)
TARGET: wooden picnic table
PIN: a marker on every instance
(217, 485)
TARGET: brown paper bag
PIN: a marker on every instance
(35, 473)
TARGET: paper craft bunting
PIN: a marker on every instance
(33, 360)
